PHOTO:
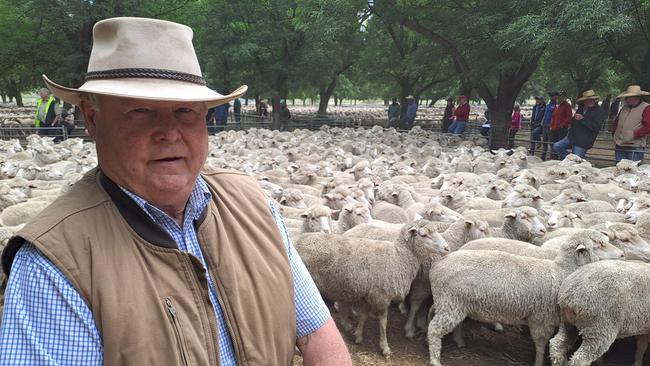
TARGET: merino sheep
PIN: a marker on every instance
(369, 273)
(562, 218)
(520, 223)
(601, 302)
(492, 286)
(20, 213)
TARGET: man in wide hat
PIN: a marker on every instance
(148, 260)
(632, 125)
(585, 125)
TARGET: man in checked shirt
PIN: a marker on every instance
(148, 260)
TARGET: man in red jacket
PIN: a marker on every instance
(461, 116)
(560, 121)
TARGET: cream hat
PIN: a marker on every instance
(633, 91)
(589, 94)
(144, 58)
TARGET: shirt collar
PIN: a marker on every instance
(197, 202)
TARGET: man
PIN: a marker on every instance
(546, 122)
(146, 260)
(585, 127)
(411, 112)
(46, 113)
(448, 116)
(221, 116)
(560, 120)
(461, 116)
(285, 116)
(237, 110)
(393, 113)
(632, 125)
(536, 120)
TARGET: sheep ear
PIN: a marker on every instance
(304, 215)
(533, 179)
(581, 199)
(611, 195)
(329, 196)
(347, 209)
(581, 249)
(537, 197)
(510, 215)
(610, 235)
(469, 223)
(412, 230)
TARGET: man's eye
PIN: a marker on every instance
(184, 110)
(140, 110)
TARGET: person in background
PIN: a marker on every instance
(264, 110)
(447, 118)
(561, 120)
(393, 113)
(411, 112)
(632, 125)
(515, 125)
(485, 127)
(46, 113)
(285, 116)
(461, 116)
(546, 122)
(536, 121)
(237, 110)
(585, 126)
(221, 116)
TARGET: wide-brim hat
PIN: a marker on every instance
(633, 91)
(410, 97)
(589, 94)
(144, 58)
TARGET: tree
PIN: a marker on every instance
(496, 55)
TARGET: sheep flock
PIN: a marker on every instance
(444, 234)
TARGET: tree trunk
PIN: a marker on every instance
(500, 128)
(275, 101)
(15, 92)
(386, 102)
(304, 102)
(325, 94)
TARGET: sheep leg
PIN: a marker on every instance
(442, 323)
(540, 333)
(363, 316)
(421, 318)
(641, 347)
(560, 345)
(458, 336)
(346, 316)
(410, 329)
(402, 308)
(595, 342)
(383, 341)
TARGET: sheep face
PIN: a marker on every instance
(628, 240)
(523, 195)
(317, 219)
(356, 214)
(498, 190)
(638, 205)
(558, 219)
(425, 241)
(591, 246)
(526, 222)
(476, 229)
(437, 212)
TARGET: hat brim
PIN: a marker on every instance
(145, 88)
(595, 97)
(635, 94)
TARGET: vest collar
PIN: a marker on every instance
(139, 220)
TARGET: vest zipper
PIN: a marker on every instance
(171, 310)
(233, 337)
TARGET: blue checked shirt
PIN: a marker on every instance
(46, 322)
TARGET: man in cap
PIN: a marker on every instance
(461, 116)
(147, 260)
(546, 122)
(632, 125)
(585, 127)
(536, 120)
(560, 120)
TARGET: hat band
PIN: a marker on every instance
(144, 73)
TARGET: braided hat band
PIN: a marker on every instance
(144, 73)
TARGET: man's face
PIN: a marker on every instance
(155, 149)
(44, 95)
(463, 100)
(589, 103)
(554, 98)
(632, 101)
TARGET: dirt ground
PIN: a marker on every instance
(485, 347)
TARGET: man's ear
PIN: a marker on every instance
(90, 114)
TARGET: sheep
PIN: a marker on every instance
(20, 213)
(601, 302)
(369, 273)
(493, 286)
(437, 212)
(638, 206)
(562, 218)
(569, 195)
(600, 217)
(293, 198)
(520, 224)
(523, 195)
(526, 177)
(389, 212)
(497, 190)
(352, 215)
(583, 209)
(516, 247)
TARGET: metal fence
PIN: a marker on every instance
(59, 133)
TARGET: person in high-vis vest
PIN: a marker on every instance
(632, 125)
(150, 259)
(46, 111)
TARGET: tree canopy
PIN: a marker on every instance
(497, 51)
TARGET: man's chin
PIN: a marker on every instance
(172, 183)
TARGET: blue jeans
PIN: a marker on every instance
(629, 152)
(563, 145)
(458, 127)
(535, 137)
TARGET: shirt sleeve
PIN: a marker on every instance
(311, 311)
(645, 124)
(45, 321)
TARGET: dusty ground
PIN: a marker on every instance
(485, 347)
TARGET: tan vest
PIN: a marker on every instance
(149, 300)
(630, 119)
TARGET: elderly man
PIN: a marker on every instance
(632, 125)
(147, 260)
(585, 127)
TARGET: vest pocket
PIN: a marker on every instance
(178, 334)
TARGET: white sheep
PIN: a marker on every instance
(369, 273)
(492, 286)
(21, 213)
